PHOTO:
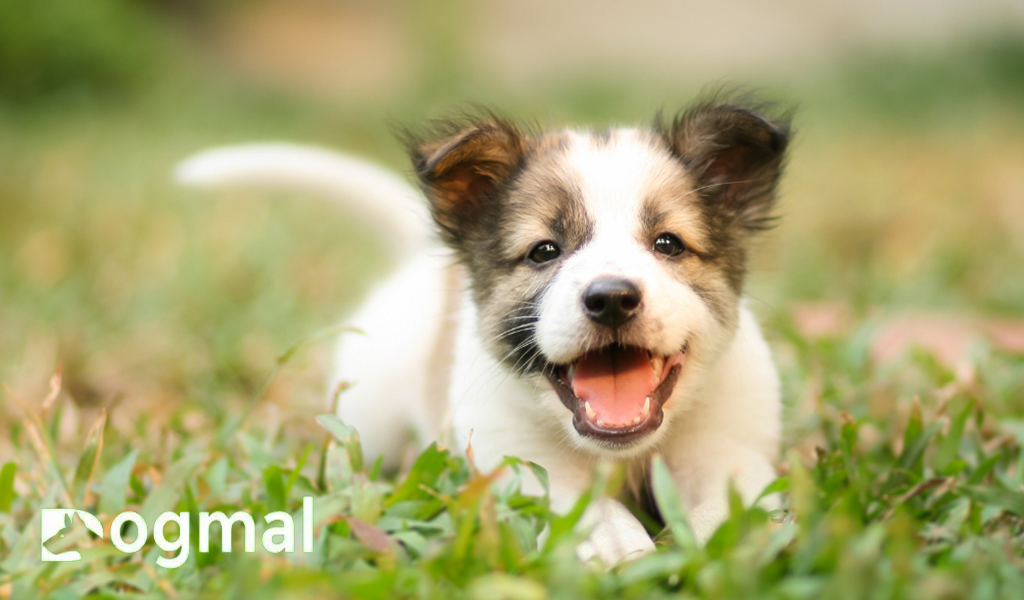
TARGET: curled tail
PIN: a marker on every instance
(379, 197)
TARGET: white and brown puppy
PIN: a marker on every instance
(586, 303)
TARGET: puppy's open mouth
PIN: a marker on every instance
(616, 393)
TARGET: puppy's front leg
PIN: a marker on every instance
(615, 535)
(703, 481)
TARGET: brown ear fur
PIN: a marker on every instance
(462, 166)
(735, 154)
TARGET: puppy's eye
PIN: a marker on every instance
(669, 245)
(543, 252)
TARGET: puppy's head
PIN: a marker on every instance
(607, 265)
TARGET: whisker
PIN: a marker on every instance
(517, 329)
(525, 343)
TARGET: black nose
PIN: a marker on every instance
(611, 301)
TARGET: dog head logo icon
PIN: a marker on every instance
(55, 523)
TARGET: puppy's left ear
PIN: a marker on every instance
(736, 156)
(462, 169)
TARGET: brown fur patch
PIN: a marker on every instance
(735, 157)
(462, 166)
(542, 204)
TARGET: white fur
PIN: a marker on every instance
(613, 181)
(722, 422)
(387, 409)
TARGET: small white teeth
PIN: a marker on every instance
(570, 372)
(592, 415)
(657, 364)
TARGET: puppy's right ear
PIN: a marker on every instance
(736, 156)
(463, 167)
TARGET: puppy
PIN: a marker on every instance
(581, 301)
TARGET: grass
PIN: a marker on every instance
(906, 482)
(174, 317)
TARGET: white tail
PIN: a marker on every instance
(378, 196)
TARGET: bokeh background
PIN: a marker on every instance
(903, 207)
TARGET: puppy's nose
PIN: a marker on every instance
(611, 301)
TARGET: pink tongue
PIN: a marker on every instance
(615, 381)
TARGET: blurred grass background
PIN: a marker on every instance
(905, 190)
(903, 207)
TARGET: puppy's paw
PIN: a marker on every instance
(615, 535)
(613, 553)
(706, 517)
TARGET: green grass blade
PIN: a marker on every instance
(113, 488)
(949, 447)
(297, 472)
(274, 481)
(670, 505)
(7, 493)
(165, 495)
(425, 471)
(89, 460)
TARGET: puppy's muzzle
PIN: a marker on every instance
(611, 301)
